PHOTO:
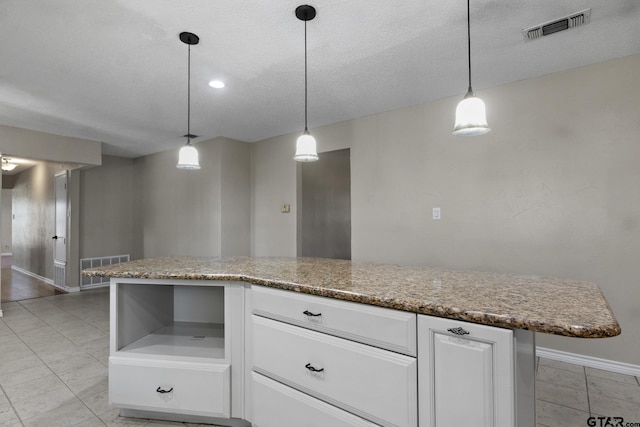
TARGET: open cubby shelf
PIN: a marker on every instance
(171, 320)
(192, 339)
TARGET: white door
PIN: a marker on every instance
(466, 374)
(60, 236)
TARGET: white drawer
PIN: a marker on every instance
(376, 384)
(190, 388)
(381, 327)
(277, 405)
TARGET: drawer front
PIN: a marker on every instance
(374, 384)
(276, 405)
(189, 388)
(381, 327)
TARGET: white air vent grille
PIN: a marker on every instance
(88, 282)
(60, 273)
(557, 25)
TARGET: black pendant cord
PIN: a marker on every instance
(189, 96)
(306, 129)
(470, 91)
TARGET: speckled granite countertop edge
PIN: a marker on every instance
(175, 269)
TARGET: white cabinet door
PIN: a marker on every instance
(465, 374)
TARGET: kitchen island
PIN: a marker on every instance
(408, 345)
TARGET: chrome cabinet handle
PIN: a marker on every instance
(308, 313)
(458, 331)
(312, 369)
(159, 390)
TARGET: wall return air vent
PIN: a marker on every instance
(571, 21)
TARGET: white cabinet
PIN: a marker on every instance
(370, 382)
(173, 345)
(230, 353)
(180, 388)
(466, 374)
(316, 368)
(380, 327)
(276, 405)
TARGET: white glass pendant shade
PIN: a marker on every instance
(6, 166)
(306, 148)
(188, 158)
(471, 117)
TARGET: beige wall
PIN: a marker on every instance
(180, 213)
(106, 208)
(6, 207)
(235, 198)
(33, 227)
(551, 191)
(45, 146)
(273, 183)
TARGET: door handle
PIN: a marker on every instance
(458, 331)
(55, 237)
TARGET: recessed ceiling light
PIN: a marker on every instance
(217, 84)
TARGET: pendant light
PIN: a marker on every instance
(6, 166)
(306, 144)
(188, 155)
(471, 116)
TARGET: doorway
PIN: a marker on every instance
(324, 206)
(60, 236)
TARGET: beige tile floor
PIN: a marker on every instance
(53, 372)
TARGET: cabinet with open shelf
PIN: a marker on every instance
(165, 331)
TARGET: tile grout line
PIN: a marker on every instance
(586, 380)
(49, 367)
(39, 358)
(11, 405)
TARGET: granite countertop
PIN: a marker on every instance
(553, 306)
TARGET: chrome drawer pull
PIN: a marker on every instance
(308, 313)
(159, 390)
(312, 369)
(458, 331)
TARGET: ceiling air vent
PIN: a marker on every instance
(548, 28)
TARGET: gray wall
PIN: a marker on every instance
(179, 212)
(552, 190)
(106, 208)
(324, 206)
(34, 208)
(6, 207)
(48, 147)
(235, 195)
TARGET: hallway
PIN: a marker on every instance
(17, 286)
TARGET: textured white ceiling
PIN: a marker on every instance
(115, 71)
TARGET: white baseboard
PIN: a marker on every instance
(34, 275)
(96, 285)
(46, 280)
(591, 362)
